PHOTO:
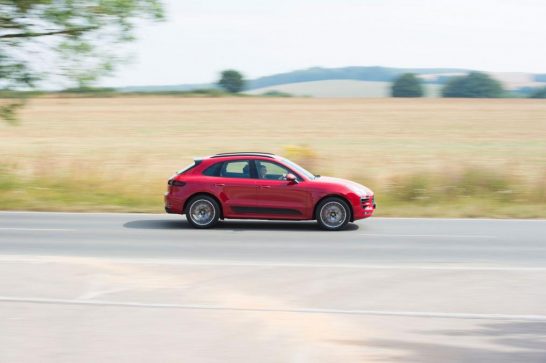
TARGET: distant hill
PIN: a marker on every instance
(339, 89)
(433, 76)
(372, 74)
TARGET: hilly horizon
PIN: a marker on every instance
(362, 81)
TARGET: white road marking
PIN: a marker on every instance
(360, 234)
(35, 229)
(162, 214)
(235, 263)
(464, 219)
(84, 213)
(96, 293)
(423, 314)
(427, 235)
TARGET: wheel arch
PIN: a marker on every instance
(338, 196)
(207, 195)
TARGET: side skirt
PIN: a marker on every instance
(267, 211)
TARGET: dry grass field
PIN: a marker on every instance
(423, 156)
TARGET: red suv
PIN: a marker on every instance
(255, 185)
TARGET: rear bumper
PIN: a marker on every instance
(173, 205)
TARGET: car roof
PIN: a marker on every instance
(244, 153)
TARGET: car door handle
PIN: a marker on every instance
(265, 186)
(219, 185)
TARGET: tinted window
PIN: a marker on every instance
(235, 169)
(271, 171)
(213, 170)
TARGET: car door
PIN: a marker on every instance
(279, 198)
(236, 188)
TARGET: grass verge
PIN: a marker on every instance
(467, 193)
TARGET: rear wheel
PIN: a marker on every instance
(203, 212)
(333, 214)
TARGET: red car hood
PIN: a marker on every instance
(358, 188)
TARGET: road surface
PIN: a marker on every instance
(142, 287)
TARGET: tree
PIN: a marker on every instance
(473, 85)
(538, 93)
(73, 41)
(407, 85)
(232, 81)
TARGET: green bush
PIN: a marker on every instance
(407, 85)
(538, 93)
(473, 85)
(274, 93)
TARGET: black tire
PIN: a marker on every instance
(333, 214)
(202, 212)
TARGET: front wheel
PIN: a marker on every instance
(203, 212)
(333, 214)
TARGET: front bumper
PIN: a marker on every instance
(365, 208)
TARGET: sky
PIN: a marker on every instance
(257, 37)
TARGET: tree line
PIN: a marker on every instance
(472, 85)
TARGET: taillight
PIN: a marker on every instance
(176, 183)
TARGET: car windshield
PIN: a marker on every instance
(299, 169)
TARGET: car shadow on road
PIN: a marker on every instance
(234, 225)
(157, 224)
(515, 342)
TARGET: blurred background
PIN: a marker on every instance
(438, 106)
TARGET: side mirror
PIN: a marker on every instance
(291, 178)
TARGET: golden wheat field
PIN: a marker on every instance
(141, 141)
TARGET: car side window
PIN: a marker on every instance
(235, 169)
(213, 170)
(271, 171)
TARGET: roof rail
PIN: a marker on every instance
(244, 153)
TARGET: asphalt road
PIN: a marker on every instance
(137, 287)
